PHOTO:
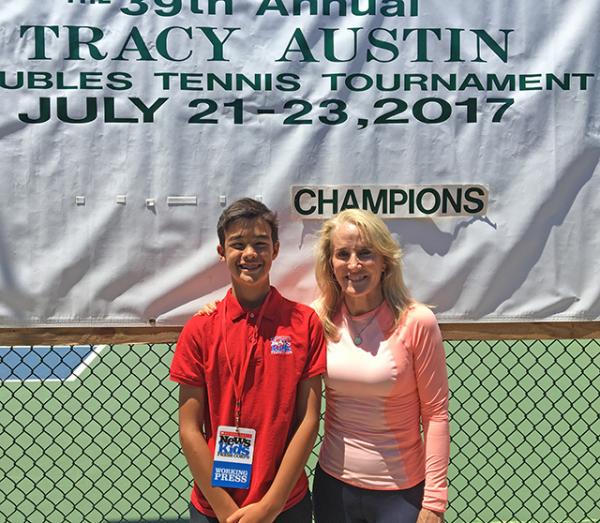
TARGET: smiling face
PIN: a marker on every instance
(357, 268)
(248, 250)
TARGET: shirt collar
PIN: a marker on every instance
(235, 311)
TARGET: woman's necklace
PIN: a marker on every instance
(357, 338)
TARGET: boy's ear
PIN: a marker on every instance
(221, 252)
(275, 249)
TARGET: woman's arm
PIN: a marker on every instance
(432, 385)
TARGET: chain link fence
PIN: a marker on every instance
(89, 434)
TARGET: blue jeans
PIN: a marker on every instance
(339, 502)
(300, 513)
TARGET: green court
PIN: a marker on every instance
(525, 424)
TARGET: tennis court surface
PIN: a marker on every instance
(45, 363)
(89, 434)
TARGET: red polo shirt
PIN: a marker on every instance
(287, 347)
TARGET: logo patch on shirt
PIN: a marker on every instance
(281, 345)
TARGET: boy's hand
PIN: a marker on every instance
(227, 510)
(207, 308)
(254, 513)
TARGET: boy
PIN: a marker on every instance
(250, 375)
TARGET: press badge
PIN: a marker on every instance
(234, 449)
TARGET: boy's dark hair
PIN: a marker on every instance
(247, 209)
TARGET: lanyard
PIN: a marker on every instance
(238, 384)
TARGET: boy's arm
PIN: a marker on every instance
(196, 451)
(308, 408)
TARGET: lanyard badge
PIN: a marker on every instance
(239, 379)
(234, 450)
(234, 447)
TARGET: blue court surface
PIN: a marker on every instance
(44, 363)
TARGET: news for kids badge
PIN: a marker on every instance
(234, 450)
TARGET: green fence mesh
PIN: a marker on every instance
(90, 435)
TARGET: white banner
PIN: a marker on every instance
(126, 126)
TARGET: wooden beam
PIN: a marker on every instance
(542, 330)
(88, 335)
(451, 331)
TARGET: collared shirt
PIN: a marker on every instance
(289, 348)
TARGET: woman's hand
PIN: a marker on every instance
(429, 516)
(207, 308)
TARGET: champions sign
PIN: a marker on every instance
(418, 201)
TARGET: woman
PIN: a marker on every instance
(386, 377)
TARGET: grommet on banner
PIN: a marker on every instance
(223, 199)
(79, 200)
(150, 203)
(182, 200)
(121, 199)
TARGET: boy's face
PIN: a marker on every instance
(249, 252)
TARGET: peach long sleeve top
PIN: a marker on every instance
(386, 421)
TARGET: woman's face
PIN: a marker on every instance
(357, 268)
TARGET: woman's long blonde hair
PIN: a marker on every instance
(378, 236)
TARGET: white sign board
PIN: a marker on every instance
(126, 126)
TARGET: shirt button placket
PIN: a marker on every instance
(252, 333)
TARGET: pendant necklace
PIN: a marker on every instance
(357, 338)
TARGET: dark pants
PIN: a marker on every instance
(338, 502)
(299, 513)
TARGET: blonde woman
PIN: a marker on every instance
(384, 456)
